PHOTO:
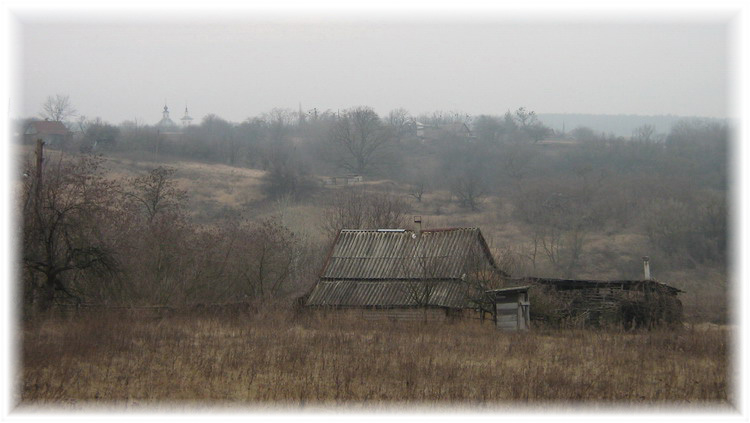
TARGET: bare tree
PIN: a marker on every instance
(157, 193)
(525, 117)
(530, 125)
(489, 129)
(360, 139)
(57, 108)
(264, 258)
(401, 123)
(356, 209)
(561, 222)
(646, 133)
(60, 228)
(98, 134)
(469, 188)
(515, 160)
(419, 186)
(482, 275)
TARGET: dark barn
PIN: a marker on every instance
(628, 303)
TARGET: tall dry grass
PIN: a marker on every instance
(327, 360)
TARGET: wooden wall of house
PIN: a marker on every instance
(398, 314)
(405, 314)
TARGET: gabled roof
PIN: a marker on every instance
(49, 127)
(404, 254)
(402, 268)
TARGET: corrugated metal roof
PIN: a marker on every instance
(389, 293)
(434, 254)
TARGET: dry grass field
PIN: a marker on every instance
(283, 360)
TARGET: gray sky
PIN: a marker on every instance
(242, 66)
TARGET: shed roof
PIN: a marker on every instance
(635, 284)
(404, 254)
(508, 290)
(389, 293)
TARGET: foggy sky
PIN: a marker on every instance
(241, 67)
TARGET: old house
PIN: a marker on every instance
(53, 133)
(405, 274)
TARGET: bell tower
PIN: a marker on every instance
(186, 119)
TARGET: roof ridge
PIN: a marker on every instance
(399, 230)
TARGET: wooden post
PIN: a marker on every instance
(38, 176)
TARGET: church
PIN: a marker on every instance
(166, 125)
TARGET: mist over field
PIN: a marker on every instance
(192, 176)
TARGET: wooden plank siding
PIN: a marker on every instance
(511, 308)
(416, 315)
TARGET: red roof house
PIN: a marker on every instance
(51, 132)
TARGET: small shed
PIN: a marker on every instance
(511, 308)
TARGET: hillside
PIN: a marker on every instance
(217, 192)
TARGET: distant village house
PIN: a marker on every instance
(426, 132)
(53, 133)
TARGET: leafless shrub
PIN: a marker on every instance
(287, 176)
(360, 139)
(419, 186)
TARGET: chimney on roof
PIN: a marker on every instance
(418, 224)
(646, 269)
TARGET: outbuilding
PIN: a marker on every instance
(597, 303)
(511, 308)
